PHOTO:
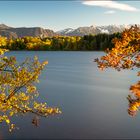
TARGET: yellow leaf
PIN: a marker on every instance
(7, 121)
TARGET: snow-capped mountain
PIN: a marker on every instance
(65, 31)
(81, 31)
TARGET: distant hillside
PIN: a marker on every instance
(11, 32)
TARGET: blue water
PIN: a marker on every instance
(93, 102)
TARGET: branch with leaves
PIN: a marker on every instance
(18, 91)
(125, 55)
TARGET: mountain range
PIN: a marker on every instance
(81, 31)
(11, 32)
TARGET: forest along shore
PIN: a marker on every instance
(98, 42)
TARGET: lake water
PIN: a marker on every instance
(93, 102)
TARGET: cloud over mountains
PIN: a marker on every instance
(112, 5)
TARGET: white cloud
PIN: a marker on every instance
(111, 4)
(110, 12)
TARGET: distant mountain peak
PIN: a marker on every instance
(65, 31)
(4, 26)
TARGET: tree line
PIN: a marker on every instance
(63, 43)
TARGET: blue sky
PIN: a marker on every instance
(57, 15)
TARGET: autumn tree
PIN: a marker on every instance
(125, 55)
(18, 92)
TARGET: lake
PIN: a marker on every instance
(93, 102)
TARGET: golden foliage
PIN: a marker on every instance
(125, 55)
(18, 91)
